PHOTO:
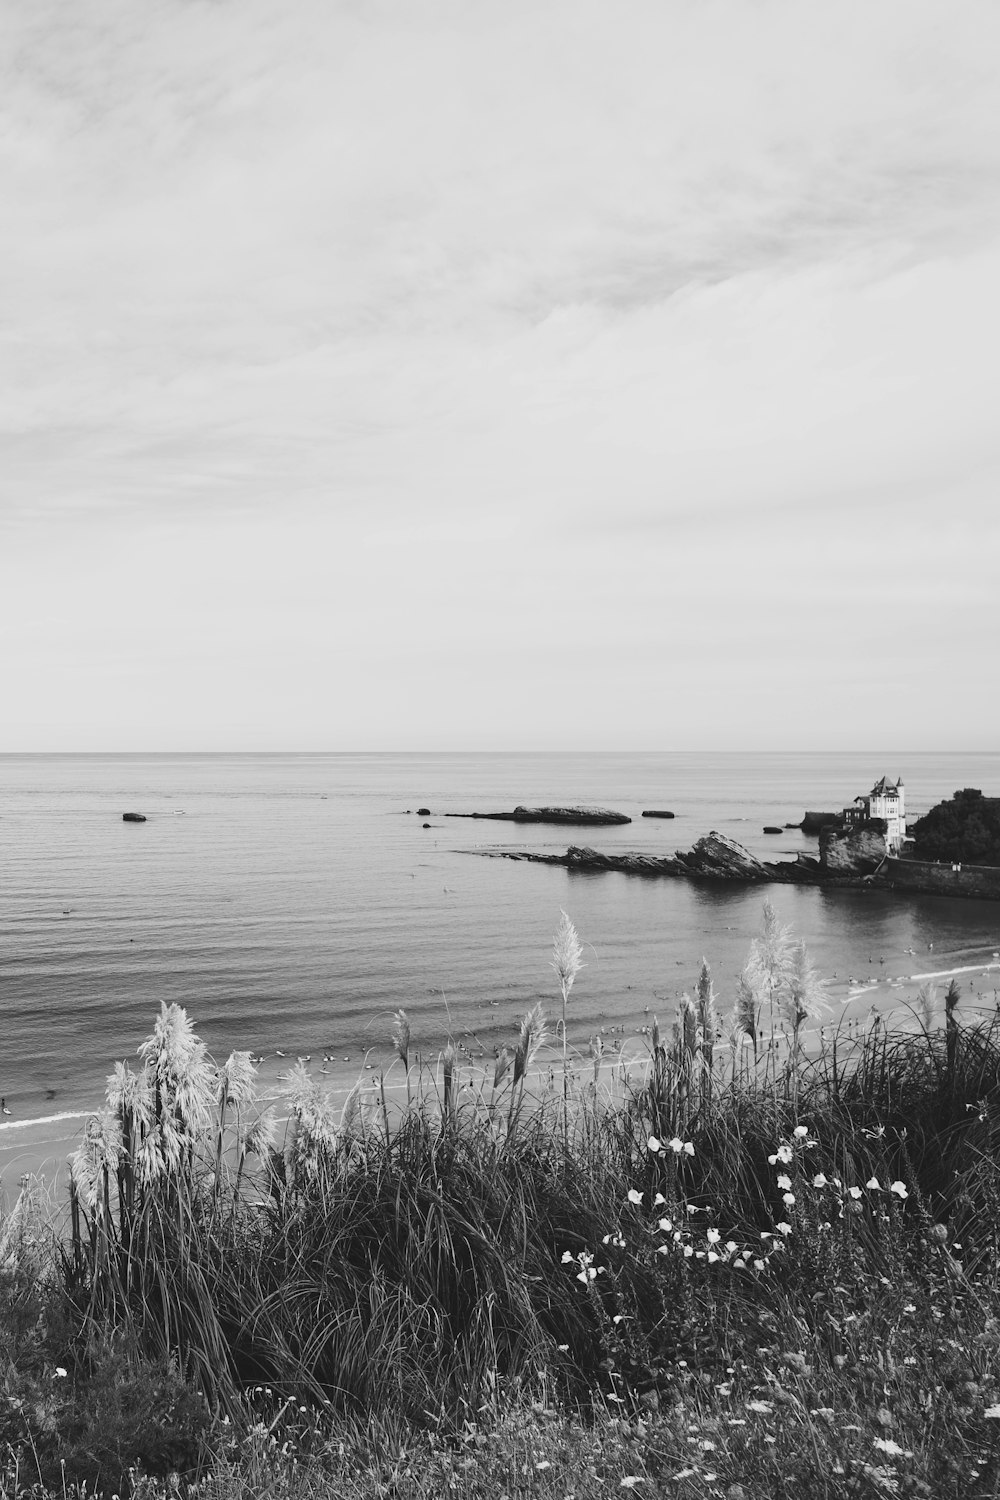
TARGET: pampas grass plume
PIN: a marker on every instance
(567, 954)
(401, 1037)
(533, 1034)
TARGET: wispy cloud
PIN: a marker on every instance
(521, 287)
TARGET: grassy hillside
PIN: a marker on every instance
(748, 1269)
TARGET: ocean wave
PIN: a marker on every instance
(66, 1114)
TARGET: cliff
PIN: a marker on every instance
(858, 849)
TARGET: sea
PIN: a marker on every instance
(293, 902)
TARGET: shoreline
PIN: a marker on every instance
(41, 1145)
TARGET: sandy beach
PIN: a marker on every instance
(42, 1147)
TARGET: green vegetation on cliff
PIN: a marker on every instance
(965, 829)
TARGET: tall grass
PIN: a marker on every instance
(423, 1252)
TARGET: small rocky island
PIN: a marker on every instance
(599, 816)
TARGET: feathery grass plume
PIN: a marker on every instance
(129, 1101)
(261, 1134)
(401, 1045)
(687, 1021)
(128, 1094)
(805, 998)
(182, 1083)
(236, 1080)
(24, 1231)
(748, 998)
(927, 1004)
(567, 961)
(773, 949)
(708, 1023)
(532, 1035)
(313, 1129)
(501, 1067)
(801, 999)
(258, 1139)
(448, 1076)
(401, 1037)
(350, 1114)
(94, 1160)
(234, 1085)
(686, 1092)
(773, 943)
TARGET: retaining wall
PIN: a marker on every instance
(982, 881)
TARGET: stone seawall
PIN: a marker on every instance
(977, 881)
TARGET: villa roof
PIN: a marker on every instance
(883, 787)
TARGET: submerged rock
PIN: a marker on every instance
(657, 813)
(133, 817)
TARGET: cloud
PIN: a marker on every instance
(458, 333)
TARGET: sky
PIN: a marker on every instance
(499, 374)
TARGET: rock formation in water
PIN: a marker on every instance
(133, 817)
(722, 858)
(657, 813)
(856, 850)
(596, 815)
(812, 822)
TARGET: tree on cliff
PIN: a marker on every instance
(964, 830)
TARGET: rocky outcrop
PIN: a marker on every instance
(657, 813)
(722, 858)
(716, 857)
(814, 821)
(595, 815)
(770, 828)
(630, 863)
(712, 858)
(133, 817)
(856, 850)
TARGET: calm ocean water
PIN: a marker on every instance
(290, 901)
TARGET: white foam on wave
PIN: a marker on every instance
(69, 1114)
(965, 969)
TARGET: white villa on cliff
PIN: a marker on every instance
(885, 800)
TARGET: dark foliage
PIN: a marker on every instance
(965, 830)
